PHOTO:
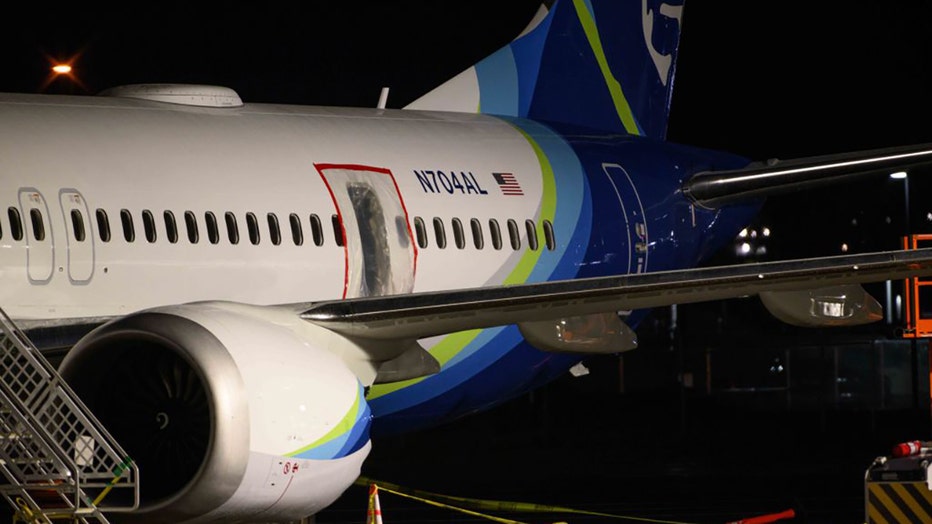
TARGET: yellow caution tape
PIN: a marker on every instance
(495, 505)
(447, 506)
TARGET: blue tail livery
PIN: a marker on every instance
(598, 64)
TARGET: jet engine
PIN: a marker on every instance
(230, 413)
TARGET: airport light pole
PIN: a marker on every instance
(902, 175)
(899, 175)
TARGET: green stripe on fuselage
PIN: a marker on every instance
(344, 426)
(452, 344)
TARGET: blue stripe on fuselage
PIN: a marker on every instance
(572, 222)
(498, 365)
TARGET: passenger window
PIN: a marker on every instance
(531, 234)
(77, 225)
(171, 227)
(496, 232)
(148, 225)
(190, 225)
(297, 232)
(420, 230)
(549, 237)
(514, 234)
(129, 231)
(440, 233)
(103, 225)
(317, 230)
(337, 230)
(459, 238)
(275, 234)
(213, 229)
(232, 228)
(476, 227)
(38, 224)
(16, 223)
(252, 225)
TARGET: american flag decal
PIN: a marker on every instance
(508, 184)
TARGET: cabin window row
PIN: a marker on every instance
(186, 226)
(477, 233)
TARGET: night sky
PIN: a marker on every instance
(764, 79)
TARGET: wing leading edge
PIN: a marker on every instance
(419, 315)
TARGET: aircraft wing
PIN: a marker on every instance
(426, 314)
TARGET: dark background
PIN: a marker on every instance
(764, 79)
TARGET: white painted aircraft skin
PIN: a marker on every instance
(66, 155)
(115, 154)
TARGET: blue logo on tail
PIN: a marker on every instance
(600, 64)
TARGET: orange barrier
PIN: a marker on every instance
(918, 323)
(374, 515)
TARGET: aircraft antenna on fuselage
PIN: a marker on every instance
(383, 98)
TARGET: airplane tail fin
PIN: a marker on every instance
(601, 64)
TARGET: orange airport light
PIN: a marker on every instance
(63, 72)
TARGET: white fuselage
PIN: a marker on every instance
(95, 156)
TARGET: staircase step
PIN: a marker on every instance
(44, 478)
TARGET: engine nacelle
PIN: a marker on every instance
(230, 414)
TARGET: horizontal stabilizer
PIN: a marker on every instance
(712, 189)
(420, 315)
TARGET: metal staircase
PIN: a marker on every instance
(60, 464)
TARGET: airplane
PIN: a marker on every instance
(242, 286)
